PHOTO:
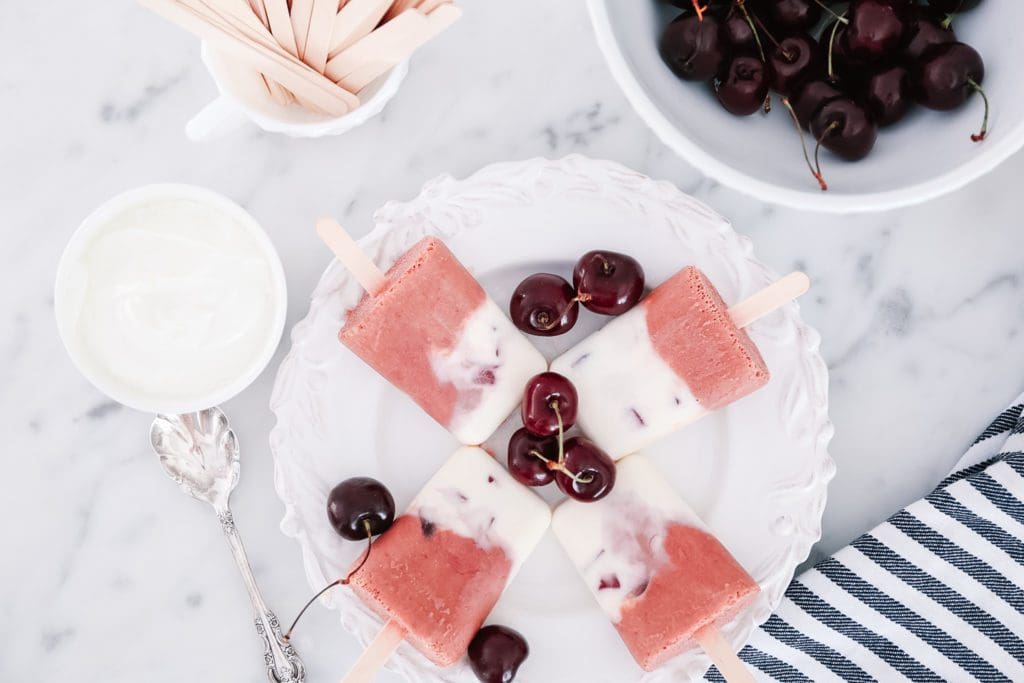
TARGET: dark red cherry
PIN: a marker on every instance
(888, 95)
(795, 59)
(942, 79)
(594, 471)
(694, 48)
(845, 66)
(743, 87)
(925, 31)
(845, 128)
(549, 397)
(529, 455)
(953, 6)
(738, 33)
(496, 653)
(810, 97)
(607, 282)
(947, 75)
(876, 28)
(544, 305)
(357, 503)
(794, 15)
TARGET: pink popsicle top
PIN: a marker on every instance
(691, 329)
(699, 585)
(437, 585)
(421, 311)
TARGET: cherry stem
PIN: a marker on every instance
(699, 9)
(817, 148)
(768, 103)
(560, 464)
(840, 18)
(750, 22)
(785, 53)
(831, 48)
(983, 133)
(803, 145)
(340, 582)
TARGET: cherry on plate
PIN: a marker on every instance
(608, 282)
(947, 75)
(549, 404)
(589, 473)
(358, 503)
(528, 458)
(496, 653)
(544, 305)
(694, 48)
(738, 33)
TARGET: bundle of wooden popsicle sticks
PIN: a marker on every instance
(319, 53)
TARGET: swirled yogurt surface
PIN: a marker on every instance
(170, 300)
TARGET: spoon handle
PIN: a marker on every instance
(283, 663)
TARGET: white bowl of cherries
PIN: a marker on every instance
(906, 99)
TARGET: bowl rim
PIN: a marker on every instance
(95, 221)
(985, 161)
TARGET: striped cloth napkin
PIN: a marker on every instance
(936, 593)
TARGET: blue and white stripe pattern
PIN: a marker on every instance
(936, 593)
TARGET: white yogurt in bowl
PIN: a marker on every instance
(170, 299)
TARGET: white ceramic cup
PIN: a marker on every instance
(124, 393)
(241, 101)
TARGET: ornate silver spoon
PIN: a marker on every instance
(200, 452)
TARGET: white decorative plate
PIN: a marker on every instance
(756, 471)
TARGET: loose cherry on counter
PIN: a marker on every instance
(544, 305)
(608, 282)
(593, 471)
(496, 653)
(549, 404)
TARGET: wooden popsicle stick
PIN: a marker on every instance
(281, 25)
(302, 14)
(355, 20)
(321, 26)
(769, 299)
(351, 255)
(376, 654)
(428, 6)
(299, 79)
(260, 11)
(399, 6)
(721, 653)
(392, 43)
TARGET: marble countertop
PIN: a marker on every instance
(110, 573)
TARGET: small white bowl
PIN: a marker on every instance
(239, 102)
(123, 393)
(927, 155)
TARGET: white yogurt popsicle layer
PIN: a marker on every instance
(667, 362)
(434, 333)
